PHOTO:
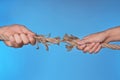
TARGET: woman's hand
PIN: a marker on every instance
(92, 43)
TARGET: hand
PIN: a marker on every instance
(18, 35)
(92, 43)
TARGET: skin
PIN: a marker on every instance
(92, 43)
(18, 35)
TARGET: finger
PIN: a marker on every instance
(94, 48)
(12, 39)
(81, 47)
(8, 43)
(27, 31)
(4, 37)
(18, 39)
(83, 41)
(24, 38)
(15, 45)
(88, 48)
(31, 39)
(98, 49)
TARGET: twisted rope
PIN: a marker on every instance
(111, 46)
(69, 39)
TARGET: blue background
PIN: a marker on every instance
(77, 17)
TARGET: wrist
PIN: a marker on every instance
(107, 33)
(0, 29)
(113, 34)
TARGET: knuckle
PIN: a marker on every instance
(19, 42)
(18, 26)
(33, 41)
(15, 25)
(8, 43)
(26, 42)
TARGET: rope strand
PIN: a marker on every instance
(70, 39)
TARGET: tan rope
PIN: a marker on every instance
(70, 39)
(111, 46)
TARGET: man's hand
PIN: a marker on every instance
(18, 35)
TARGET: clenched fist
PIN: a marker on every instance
(17, 35)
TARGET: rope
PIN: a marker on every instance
(70, 39)
(111, 46)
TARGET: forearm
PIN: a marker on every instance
(113, 34)
(0, 33)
